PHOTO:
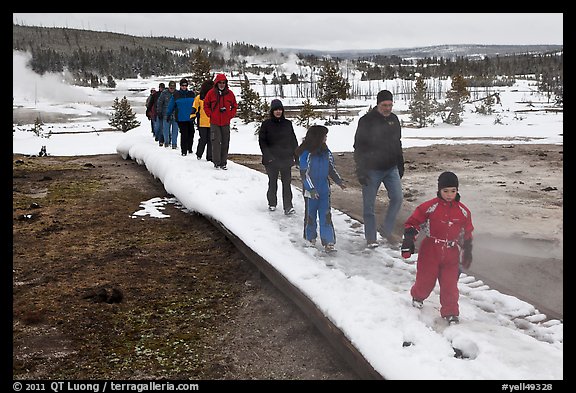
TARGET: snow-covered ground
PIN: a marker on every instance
(365, 293)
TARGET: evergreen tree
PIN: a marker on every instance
(421, 107)
(306, 114)
(333, 87)
(487, 105)
(455, 99)
(200, 70)
(123, 118)
(110, 82)
(250, 106)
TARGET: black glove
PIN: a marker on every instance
(401, 169)
(408, 246)
(467, 254)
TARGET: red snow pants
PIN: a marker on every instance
(437, 261)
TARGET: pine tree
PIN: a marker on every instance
(306, 114)
(421, 107)
(123, 118)
(250, 106)
(487, 105)
(200, 70)
(110, 82)
(333, 87)
(455, 99)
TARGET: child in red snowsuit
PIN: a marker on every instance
(447, 223)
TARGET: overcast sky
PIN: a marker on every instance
(323, 31)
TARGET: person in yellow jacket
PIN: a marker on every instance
(203, 122)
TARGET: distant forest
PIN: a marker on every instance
(92, 57)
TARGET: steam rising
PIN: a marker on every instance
(29, 87)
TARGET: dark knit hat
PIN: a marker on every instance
(161, 85)
(384, 95)
(183, 81)
(447, 179)
(276, 104)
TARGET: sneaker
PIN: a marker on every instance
(184, 154)
(271, 208)
(329, 247)
(216, 166)
(417, 303)
(166, 145)
(452, 319)
(372, 244)
(174, 147)
(198, 157)
(224, 167)
(289, 211)
(161, 144)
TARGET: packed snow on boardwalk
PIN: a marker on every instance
(365, 292)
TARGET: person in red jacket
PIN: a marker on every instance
(447, 224)
(220, 106)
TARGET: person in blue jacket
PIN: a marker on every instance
(316, 169)
(181, 103)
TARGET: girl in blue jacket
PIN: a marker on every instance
(316, 170)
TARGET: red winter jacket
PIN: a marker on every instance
(220, 104)
(444, 220)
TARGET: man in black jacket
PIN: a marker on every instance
(379, 159)
(278, 142)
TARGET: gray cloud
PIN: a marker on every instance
(327, 31)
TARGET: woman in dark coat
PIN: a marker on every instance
(278, 142)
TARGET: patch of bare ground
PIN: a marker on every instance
(100, 294)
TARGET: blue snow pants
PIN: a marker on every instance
(318, 210)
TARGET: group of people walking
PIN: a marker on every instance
(445, 221)
(172, 111)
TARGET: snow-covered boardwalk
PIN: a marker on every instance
(364, 293)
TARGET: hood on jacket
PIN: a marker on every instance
(276, 104)
(220, 77)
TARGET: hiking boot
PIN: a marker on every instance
(198, 157)
(289, 211)
(452, 319)
(271, 208)
(373, 244)
(329, 247)
(417, 303)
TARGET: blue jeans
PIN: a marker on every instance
(170, 137)
(391, 179)
(158, 134)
